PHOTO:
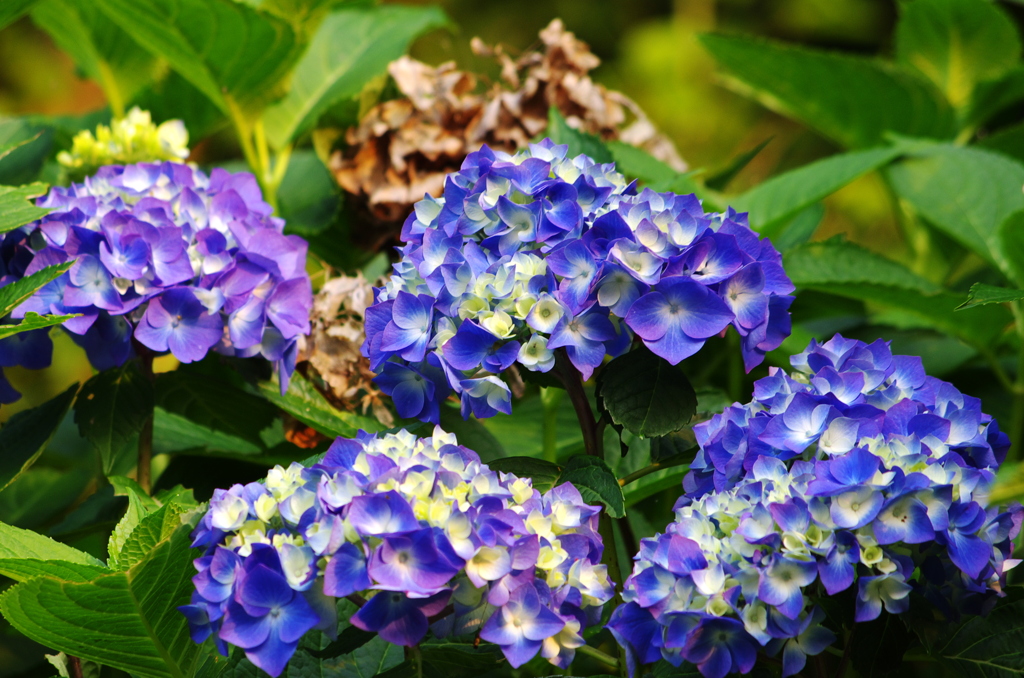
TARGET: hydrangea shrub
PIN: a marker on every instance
(179, 260)
(416, 530)
(855, 471)
(530, 253)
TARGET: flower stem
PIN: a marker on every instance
(578, 397)
(417, 660)
(845, 661)
(74, 667)
(598, 655)
(551, 398)
(145, 463)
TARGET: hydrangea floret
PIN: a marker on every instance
(180, 260)
(530, 253)
(416, 530)
(133, 138)
(855, 471)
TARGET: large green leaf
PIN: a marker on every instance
(646, 394)
(1008, 141)
(23, 569)
(174, 433)
(772, 203)
(982, 294)
(352, 46)
(1010, 237)
(16, 543)
(10, 10)
(851, 271)
(126, 620)
(596, 482)
(965, 192)
(578, 141)
(956, 43)
(24, 437)
(112, 409)
(15, 208)
(99, 47)
(152, 529)
(34, 321)
(234, 54)
(989, 646)
(306, 404)
(308, 198)
(996, 95)
(26, 143)
(850, 99)
(544, 474)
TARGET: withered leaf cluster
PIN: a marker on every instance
(404, 147)
(332, 348)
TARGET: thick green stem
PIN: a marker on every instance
(417, 660)
(551, 398)
(598, 655)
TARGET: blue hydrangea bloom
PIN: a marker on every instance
(856, 470)
(178, 260)
(431, 537)
(529, 253)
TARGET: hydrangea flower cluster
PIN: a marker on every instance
(429, 535)
(182, 261)
(528, 253)
(856, 470)
(133, 138)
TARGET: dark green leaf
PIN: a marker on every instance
(173, 433)
(800, 228)
(646, 394)
(348, 641)
(636, 163)
(211, 400)
(126, 620)
(24, 437)
(1010, 238)
(174, 97)
(28, 142)
(772, 203)
(15, 208)
(956, 43)
(850, 99)
(521, 434)
(236, 55)
(719, 180)
(965, 192)
(99, 47)
(111, 410)
(543, 473)
(850, 271)
(1008, 141)
(982, 294)
(994, 96)
(877, 647)
(17, 543)
(8, 147)
(596, 482)
(12, 295)
(987, 647)
(10, 10)
(306, 404)
(308, 198)
(351, 46)
(673, 449)
(578, 141)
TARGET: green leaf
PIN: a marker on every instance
(349, 640)
(111, 410)
(850, 271)
(213, 401)
(28, 142)
(772, 203)
(140, 505)
(15, 208)
(12, 295)
(578, 141)
(25, 436)
(351, 46)
(987, 647)
(308, 198)
(673, 449)
(472, 433)
(11, 10)
(23, 569)
(965, 192)
(996, 95)
(151, 529)
(126, 620)
(236, 55)
(9, 147)
(16, 543)
(719, 180)
(800, 228)
(173, 433)
(596, 482)
(637, 163)
(850, 99)
(956, 43)
(982, 294)
(1010, 237)
(544, 474)
(34, 321)
(98, 46)
(1008, 141)
(646, 394)
(306, 404)
(877, 649)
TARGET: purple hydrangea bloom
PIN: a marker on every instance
(529, 253)
(856, 470)
(178, 260)
(423, 531)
